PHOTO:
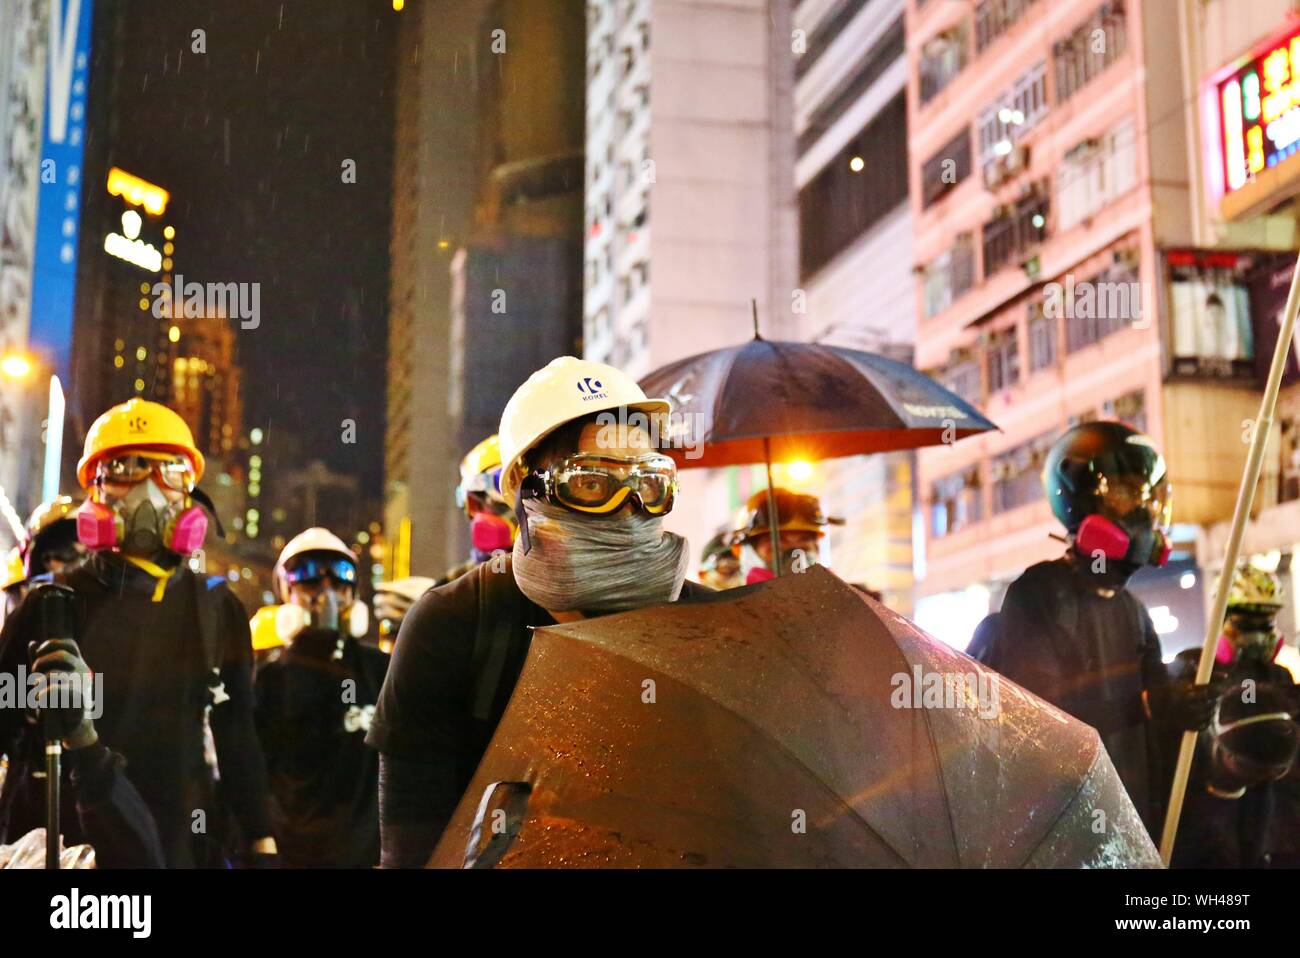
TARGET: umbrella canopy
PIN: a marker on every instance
(786, 724)
(810, 400)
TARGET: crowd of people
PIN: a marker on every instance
(319, 734)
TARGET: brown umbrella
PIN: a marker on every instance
(789, 724)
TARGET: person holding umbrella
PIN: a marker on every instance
(591, 499)
(800, 528)
(1070, 632)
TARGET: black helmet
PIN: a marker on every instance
(1253, 738)
(1090, 458)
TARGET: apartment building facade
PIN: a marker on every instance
(1059, 279)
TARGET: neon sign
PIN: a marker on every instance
(1257, 103)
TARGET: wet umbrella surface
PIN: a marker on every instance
(792, 724)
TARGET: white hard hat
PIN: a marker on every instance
(314, 539)
(563, 390)
(410, 588)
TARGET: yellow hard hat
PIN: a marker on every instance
(565, 389)
(137, 424)
(262, 627)
(480, 471)
(14, 571)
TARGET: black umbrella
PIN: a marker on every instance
(745, 404)
(795, 723)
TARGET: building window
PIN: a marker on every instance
(1014, 229)
(883, 53)
(1095, 173)
(961, 375)
(1012, 115)
(1002, 357)
(942, 58)
(861, 185)
(1100, 306)
(995, 17)
(948, 167)
(1089, 49)
(955, 502)
(1017, 474)
(1042, 338)
(830, 27)
(950, 274)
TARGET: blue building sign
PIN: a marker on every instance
(58, 205)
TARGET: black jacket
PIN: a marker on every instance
(1090, 655)
(313, 710)
(457, 659)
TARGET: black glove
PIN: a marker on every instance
(67, 694)
(1184, 705)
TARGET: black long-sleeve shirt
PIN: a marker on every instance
(435, 716)
(155, 676)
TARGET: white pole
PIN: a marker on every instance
(1245, 497)
(53, 441)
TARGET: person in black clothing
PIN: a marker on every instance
(582, 470)
(112, 816)
(1236, 813)
(1070, 632)
(316, 696)
(172, 647)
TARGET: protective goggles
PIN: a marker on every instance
(483, 484)
(173, 472)
(600, 485)
(313, 569)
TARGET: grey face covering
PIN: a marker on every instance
(597, 564)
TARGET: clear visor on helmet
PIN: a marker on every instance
(479, 488)
(1120, 495)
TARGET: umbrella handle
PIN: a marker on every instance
(773, 520)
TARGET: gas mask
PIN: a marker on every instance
(489, 533)
(794, 559)
(1248, 637)
(142, 523)
(327, 614)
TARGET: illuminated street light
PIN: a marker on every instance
(16, 366)
(857, 164)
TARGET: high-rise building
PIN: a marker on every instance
(690, 207)
(486, 266)
(855, 258)
(433, 196)
(204, 387)
(1058, 280)
(23, 44)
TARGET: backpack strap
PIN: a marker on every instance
(205, 605)
(497, 623)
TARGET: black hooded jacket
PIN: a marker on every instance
(1091, 650)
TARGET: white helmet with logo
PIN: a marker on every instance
(565, 389)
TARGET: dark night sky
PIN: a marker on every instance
(250, 138)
